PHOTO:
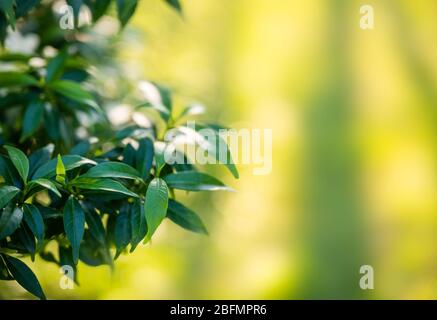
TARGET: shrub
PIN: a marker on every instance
(67, 174)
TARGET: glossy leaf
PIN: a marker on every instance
(144, 157)
(70, 162)
(74, 91)
(125, 10)
(24, 276)
(194, 181)
(156, 204)
(106, 185)
(44, 183)
(95, 225)
(138, 223)
(34, 221)
(112, 170)
(122, 229)
(40, 157)
(74, 225)
(20, 161)
(7, 193)
(184, 217)
(32, 118)
(10, 219)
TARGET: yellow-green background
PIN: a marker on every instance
(354, 119)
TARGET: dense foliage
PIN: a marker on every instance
(67, 174)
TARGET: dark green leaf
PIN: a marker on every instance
(122, 229)
(7, 6)
(98, 7)
(106, 185)
(20, 161)
(175, 4)
(34, 221)
(112, 170)
(55, 67)
(45, 184)
(194, 181)
(155, 206)
(24, 276)
(24, 6)
(95, 225)
(81, 149)
(51, 122)
(138, 224)
(70, 162)
(9, 172)
(185, 217)
(125, 10)
(32, 119)
(4, 272)
(144, 157)
(10, 219)
(129, 154)
(7, 193)
(74, 91)
(26, 238)
(40, 157)
(74, 225)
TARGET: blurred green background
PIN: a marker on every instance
(354, 119)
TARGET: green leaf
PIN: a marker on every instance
(61, 173)
(98, 8)
(16, 79)
(46, 184)
(125, 10)
(40, 157)
(55, 67)
(34, 221)
(194, 181)
(7, 6)
(106, 185)
(129, 154)
(20, 161)
(122, 229)
(70, 162)
(138, 224)
(175, 4)
(24, 276)
(95, 225)
(185, 217)
(74, 91)
(93, 253)
(74, 225)
(10, 219)
(24, 6)
(51, 122)
(9, 172)
(25, 237)
(4, 272)
(112, 170)
(7, 193)
(155, 206)
(144, 157)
